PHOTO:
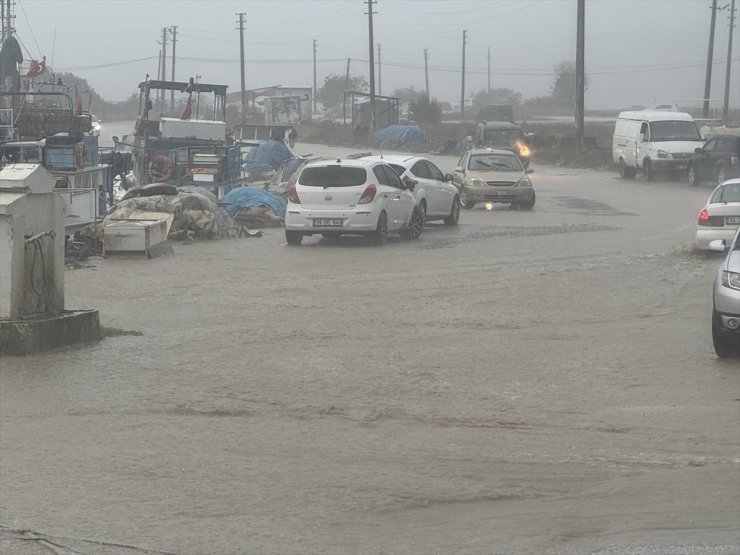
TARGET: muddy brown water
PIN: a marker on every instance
(526, 382)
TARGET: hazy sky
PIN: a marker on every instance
(637, 52)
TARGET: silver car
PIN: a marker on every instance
(726, 311)
(493, 175)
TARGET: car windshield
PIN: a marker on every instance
(674, 131)
(332, 176)
(497, 162)
(727, 193)
(503, 137)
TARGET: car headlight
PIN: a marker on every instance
(475, 182)
(731, 279)
(662, 154)
(524, 182)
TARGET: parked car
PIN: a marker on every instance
(720, 216)
(717, 161)
(435, 194)
(364, 197)
(493, 175)
(726, 299)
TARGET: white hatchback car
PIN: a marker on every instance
(720, 217)
(435, 194)
(364, 197)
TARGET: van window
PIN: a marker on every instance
(645, 132)
(674, 131)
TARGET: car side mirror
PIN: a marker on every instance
(530, 170)
(718, 245)
(449, 177)
(699, 150)
(459, 169)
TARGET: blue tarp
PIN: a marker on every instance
(398, 136)
(290, 168)
(267, 156)
(242, 197)
(464, 145)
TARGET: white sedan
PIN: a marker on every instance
(358, 197)
(720, 217)
(435, 194)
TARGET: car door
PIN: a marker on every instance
(425, 189)
(643, 143)
(444, 192)
(458, 176)
(399, 201)
(705, 160)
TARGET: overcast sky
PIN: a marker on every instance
(637, 52)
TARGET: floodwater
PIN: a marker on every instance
(525, 383)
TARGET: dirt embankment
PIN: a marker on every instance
(552, 142)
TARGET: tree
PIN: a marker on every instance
(497, 96)
(331, 94)
(407, 94)
(563, 90)
(423, 110)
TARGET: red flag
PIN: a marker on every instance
(188, 109)
(37, 68)
(79, 102)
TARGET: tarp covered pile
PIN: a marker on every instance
(254, 207)
(266, 157)
(399, 136)
(196, 212)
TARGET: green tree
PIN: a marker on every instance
(407, 94)
(423, 110)
(563, 90)
(331, 94)
(497, 96)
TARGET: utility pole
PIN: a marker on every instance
(174, 42)
(314, 75)
(489, 72)
(380, 80)
(726, 107)
(241, 62)
(426, 71)
(710, 53)
(372, 63)
(580, 71)
(462, 94)
(346, 77)
(164, 67)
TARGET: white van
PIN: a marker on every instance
(654, 141)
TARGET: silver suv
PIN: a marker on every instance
(726, 312)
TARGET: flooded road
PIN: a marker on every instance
(527, 382)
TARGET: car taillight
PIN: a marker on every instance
(293, 194)
(733, 160)
(711, 221)
(409, 182)
(368, 194)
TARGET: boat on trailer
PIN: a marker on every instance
(184, 149)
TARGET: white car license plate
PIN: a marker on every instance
(328, 222)
(732, 220)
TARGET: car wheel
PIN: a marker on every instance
(423, 211)
(625, 172)
(454, 216)
(693, 180)
(464, 201)
(721, 175)
(647, 169)
(293, 237)
(415, 226)
(722, 341)
(527, 205)
(380, 235)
